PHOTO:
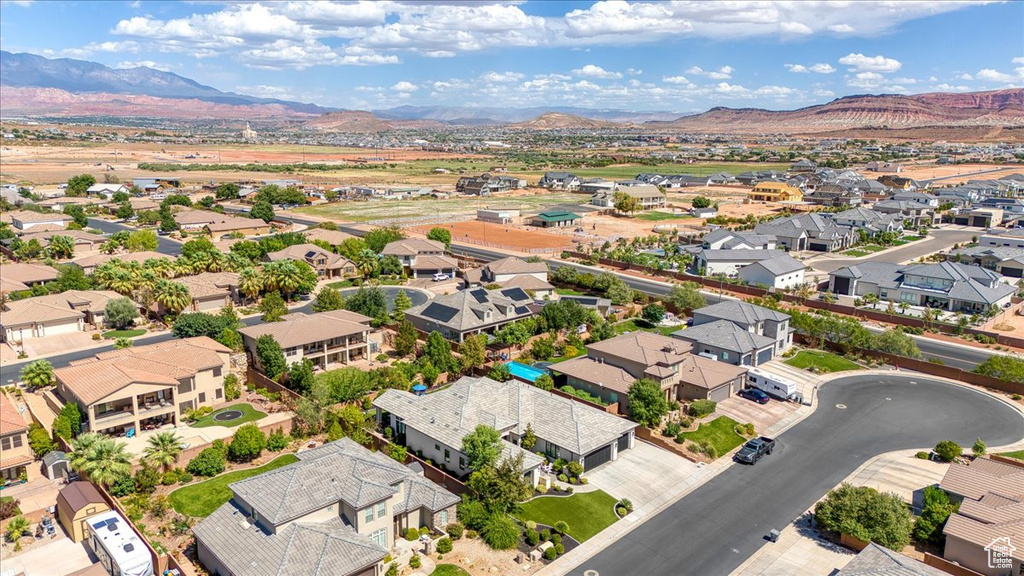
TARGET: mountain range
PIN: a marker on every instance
(35, 85)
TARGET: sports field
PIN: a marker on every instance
(512, 237)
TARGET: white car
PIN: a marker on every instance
(440, 277)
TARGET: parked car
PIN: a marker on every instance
(439, 277)
(754, 394)
(755, 449)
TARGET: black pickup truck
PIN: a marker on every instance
(754, 449)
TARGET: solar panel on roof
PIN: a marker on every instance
(522, 309)
(516, 294)
(480, 295)
(439, 312)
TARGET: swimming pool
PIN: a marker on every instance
(524, 372)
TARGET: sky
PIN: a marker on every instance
(684, 56)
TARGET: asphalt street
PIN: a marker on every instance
(717, 527)
(962, 357)
(937, 240)
(164, 245)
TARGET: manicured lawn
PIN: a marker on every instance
(864, 250)
(587, 513)
(123, 333)
(249, 414)
(202, 498)
(855, 253)
(1019, 454)
(823, 361)
(634, 324)
(448, 570)
(342, 284)
(569, 292)
(720, 432)
(657, 216)
(578, 353)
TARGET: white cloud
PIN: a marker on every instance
(723, 73)
(950, 88)
(634, 71)
(990, 75)
(822, 93)
(862, 63)
(904, 80)
(1018, 60)
(965, 76)
(730, 89)
(798, 68)
(841, 28)
(105, 47)
(405, 86)
(796, 28)
(22, 3)
(144, 63)
(502, 76)
(676, 80)
(866, 80)
(592, 71)
(820, 68)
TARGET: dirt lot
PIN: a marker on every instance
(929, 170)
(499, 236)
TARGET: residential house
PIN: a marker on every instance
(471, 311)
(990, 518)
(327, 264)
(914, 214)
(16, 456)
(41, 316)
(726, 342)
(329, 339)
(600, 305)
(157, 182)
(709, 212)
(728, 261)
(145, 387)
(332, 237)
(725, 239)
(505, 269)
(1004, 260)
(870, 221)
(754, 319)
(780, 273)
(1012, 238)
(592, 185)
(875, 560)
(947, 285)
(884, 167)
(803, 165)
(237, 225)
(816, 232)
(106, 189)
(775, 192)
(25, 221)
(929, 200)
(84, 241)
(23, 275)
(899, 182)
(423, 258)
(76, 503)
(647, 195)
(211, 291)
(611, 366)
(58, 204)
(978, 217)
(555, 219)
(88, 264)
(835, 194)
(436, 423)
(339, 510)
(560, 181)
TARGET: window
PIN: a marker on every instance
(291, 351)
(380, 537)
(368, 514)
(437, 447)
(444, 517)
(382, 509)
(202, 396)
(462, 463)
(447, 455)
(216, 372)
(5, 443)
(220, 393)
(17, 441)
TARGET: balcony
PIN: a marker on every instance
(107, 417)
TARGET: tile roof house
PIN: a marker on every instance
(612, 365)
(649, 196)
(16, 455)
(946, 285)
(1007, 261)
(725, 239)
(41, 316)
(559, 181)
(728, 261)
(875, 560)
(768, 191)
(21, 275)
(871, 221)
(25, 221)
(327, 264)
(726, 342)
(991, 497)
(423, 258)
(211, 291)
(84, 241)
(88, 264)
(436, 423)
(328, 339)
(471, 311)
(332, 237)
(809, 232)
(337, 511)
(146, 386)
(757, 320)
(914, 214)
(220, 224)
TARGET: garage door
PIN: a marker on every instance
(764, 356)
(720, 394)
(1012, 272)
(53, 329)
(597, 457)
(624, 442)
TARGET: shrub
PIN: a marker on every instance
(556, 538)
(444, 545)
(500, 533)
(247, 443)
(620, 511)
(9, 508)
(922, 455)
(550, 554)
(470, 534)
(562, 526)
(568, 489)
(412, 534)
(532, 537)
(559, 548)
(392, 569)
(948, 450)
(170, 477)
(424, 531)
(146, 480)
(473, 515)
(979, 448)
(209, 462)
(545, 535)
(455, 530)
(749, 428)
(531, 525)
(680, 438)
(627, 504)
(867, 514)
(701, 408)
(671, 430)
(563, 478)
(277, 441)
(686, 422)
(415, 561)
(124, 486)
(575, 469)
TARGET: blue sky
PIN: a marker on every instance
(677, 56)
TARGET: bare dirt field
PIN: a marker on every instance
(929, 171)
(499, 236)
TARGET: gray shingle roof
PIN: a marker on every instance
(725, 335)
(740, 312)
(729, 255)
(467, 309)
(781, 264)
(448, 415)
(875, 560)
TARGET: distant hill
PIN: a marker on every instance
(891, 111)
(472, 115)
(78, 77)
(559, 121)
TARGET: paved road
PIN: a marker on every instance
(718, 526)
(965, 175)
(164, 245)
(955, 356)
(937, 240)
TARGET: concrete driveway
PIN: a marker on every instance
(762, 416)
(644, 473)
(53, 343)
(62, 556)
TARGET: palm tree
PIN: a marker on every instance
(172, 295)
(367, 263)
(62, 247)
(38, 374)
(163, 450)
(162, 267)
(107, 461)
(251, 283)
(80, 447)
(283, 275)
(121, 281)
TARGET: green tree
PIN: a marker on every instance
(602, 331)
(405, 338)
(197, 246)
(39, 441)
(247, 444)
(77, 185)
(162, 450)
(565, 314)
(228, 191)
(122, 343)
(270, 355)
(625, 203)
(442, 235)
(701, 202)
(78, 214)
(61, 247)
(368, 301)
(17, 527)
(472, 352)
(273, 308)
(1002, 367)
(499, 487)
(300, 376)
(378, 238)
(935, 511)
(124, 211)
(141, 240)
(948, 450)
(866, 514)
(543, 348)
(71, 414)
(647, 403)
(71, 277)
(262, 210)
(402, 303)
(172, 295)
(328, 299)
(897, 342)
(482, 447)
(38, 374)
(686, 296)
(167, 221)
(619, 293)
(529, 439)
(121, 312)
(104, 461)
(390, 265)
(979, 448)
(653, 313)
(544, 382)
(500, 373)
(438, 351)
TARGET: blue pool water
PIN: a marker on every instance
(524, 371)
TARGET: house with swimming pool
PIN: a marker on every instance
(473, 311)
(435, 424)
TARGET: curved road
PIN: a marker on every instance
(717, 527)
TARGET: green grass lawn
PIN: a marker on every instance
(342, 284)
(823, 361)
(1019, 454)
(634, 324)
(578, 353)
(123, 333)
(448, 570)
(855, 253)
(587, 513)
(569, 292)
(655, 216)
(912, 238)
(720, 432)
(249, 414)
(202, 498)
